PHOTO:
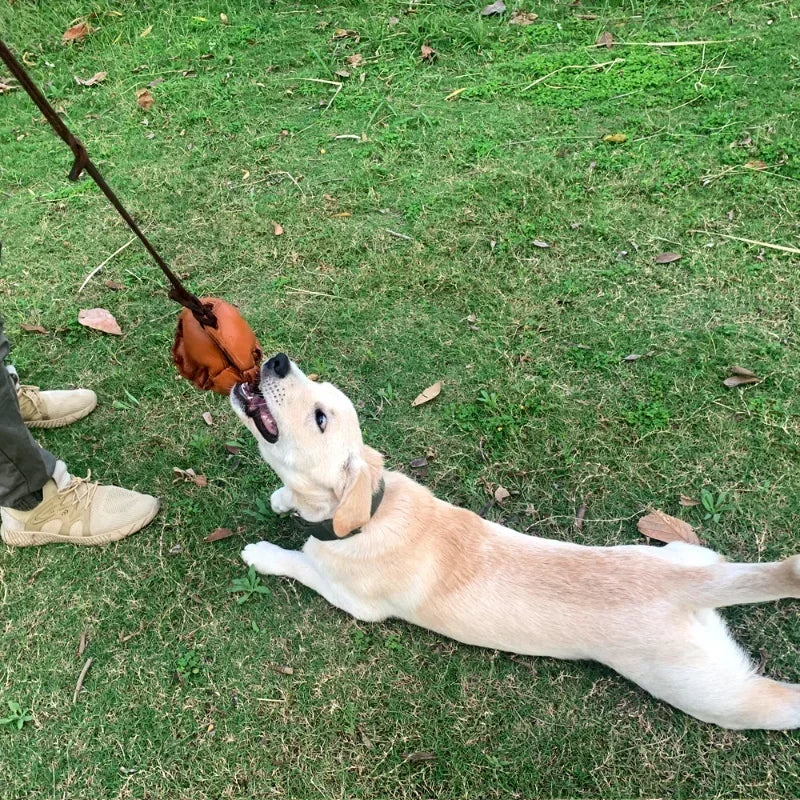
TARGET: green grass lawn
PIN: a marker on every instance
(413, 219)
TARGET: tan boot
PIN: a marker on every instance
(54, 409)
(75, 511)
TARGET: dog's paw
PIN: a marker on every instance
(267, 558)
(281, 500)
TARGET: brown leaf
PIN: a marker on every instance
(100, 320)
(144, 99)
(207, 418)
(32, 328)
(579, 515)
(217, 534)
(615, 138)
(418, 463)
(745, 373)
(355, 60)
(233, 449)
(342, 73)
(605, 40)
(427, 53)
(77, 33)
(667, 258)
(98, 77)
(632, 357)
(6, 85)
(344, 33)
(429, 394)
(688, 502)
(422, 755)
(523, 18)
(189, 475)
(661, 526)
(113, 285)
(756, 164)
(498, 7)
(282, 669)
(501, 494)
(277, 229)
(540, 243)
(740, 380)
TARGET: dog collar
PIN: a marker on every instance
(323, 530)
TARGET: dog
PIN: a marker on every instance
(382, 546)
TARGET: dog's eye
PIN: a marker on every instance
(321, 419)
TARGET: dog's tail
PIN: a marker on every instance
(725, 584)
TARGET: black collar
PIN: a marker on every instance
(323, 530)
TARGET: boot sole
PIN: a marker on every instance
(35, 538)
(60, 422)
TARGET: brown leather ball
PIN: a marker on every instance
(216, 358)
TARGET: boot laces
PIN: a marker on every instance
(33, 396)
(80, 491)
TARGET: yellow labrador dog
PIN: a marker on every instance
(383, 546)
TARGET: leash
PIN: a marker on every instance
(202, 312)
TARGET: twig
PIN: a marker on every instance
(82, 644)
(399, 235)
(695, 42)
(581, 67)
(780, 247)
(100, 266)
(456, 93)
(292, 290)
(348, 136)
(337, 84)
(79, 684)
(272, 175)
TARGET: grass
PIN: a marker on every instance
(188, 694)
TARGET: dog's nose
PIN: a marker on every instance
(278, 366)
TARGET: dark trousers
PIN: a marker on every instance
(24, 466)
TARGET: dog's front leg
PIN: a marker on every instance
(269, 559)
(282, 500)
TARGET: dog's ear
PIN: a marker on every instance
(363, 474)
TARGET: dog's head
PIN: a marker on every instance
(309, 434)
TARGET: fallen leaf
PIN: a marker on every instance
(342, 73)
(6, 85)
(312, 376)
(282, 669)
(77, 33)
(615, 138)
(189, 475)
(422, 755)
(344, 33)
(217, 534)
(540, 243)
(393, 20)
(632, 357)
(113, 285)
(146, 31)
(745, 373)
(418, 463)
(661, 526)
(579, 515)
(144, 99)
(501, 494)
(223, 18)
(429, 394)
(688, 502)
(757, 164)
(740, 380)
(207, 418)
(355, 60)
(32, 328)
(100, 320)
(277, 229)
(667, 258)
(427, 53)
(523, 18)
(98, 77)
(605, 40)
(498, 7)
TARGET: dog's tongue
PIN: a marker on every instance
(258, 410)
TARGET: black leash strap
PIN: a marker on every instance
(178, 292)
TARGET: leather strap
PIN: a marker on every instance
(203, 312)
(324, 530)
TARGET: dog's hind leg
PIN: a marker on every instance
(698, 668)
(269, 559)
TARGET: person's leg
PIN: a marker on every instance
(24, 466)
(40, 502)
